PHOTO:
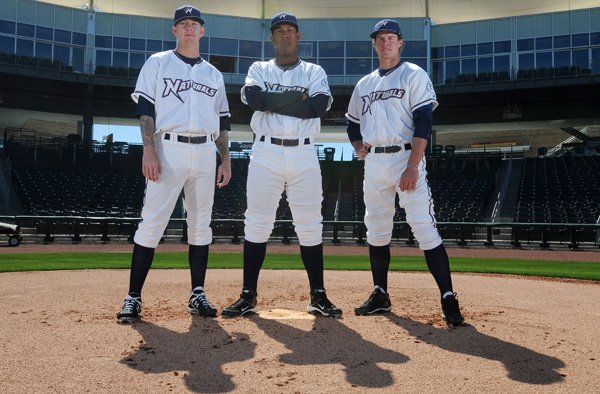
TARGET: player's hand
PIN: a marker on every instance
(224, 174)
(150, 164)
(361, 149)
(409, 178)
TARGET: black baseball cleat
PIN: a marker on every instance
(246, 304)
(378, 302)
(132, 308)
(199, 305)
(319, 303)
(451, 311)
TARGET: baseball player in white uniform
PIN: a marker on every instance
(288, 96)
(389, 122)
(183, 114)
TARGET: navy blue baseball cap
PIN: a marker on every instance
(387, 25)
(187, 12)
(284, 17)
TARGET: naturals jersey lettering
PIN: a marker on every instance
(304, 77)
(383, 104)
(188, 99)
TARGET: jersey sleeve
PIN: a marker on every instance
(422, 91)
(354, 107)
(222, 103)
(318, 84)
(254, 78)
(147, 81)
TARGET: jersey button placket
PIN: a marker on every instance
(192, 101)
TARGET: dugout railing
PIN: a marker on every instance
(79, 229)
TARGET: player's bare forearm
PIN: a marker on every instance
(148, 128)
(224, 170)
(222, 144)
(418, 150)
(150, 160)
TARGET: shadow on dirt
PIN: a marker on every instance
(522, 364)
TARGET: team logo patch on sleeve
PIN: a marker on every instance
(430, 87)
(177, 86)
(380, 95)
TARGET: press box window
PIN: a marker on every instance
(358, 49)
(120, 43)
(44, 33)
(7, 27)
(43, 50)
(25, 30)
(62, 54)
(225, 64)
(62, 36)
(332, 66)
(7, 44)
(250, 48)
(331, 49)
(223, 46)
(24, 47)
(358, 66)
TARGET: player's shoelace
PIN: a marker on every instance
(130, 306)
(201, 301)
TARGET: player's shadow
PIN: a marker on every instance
(331, 342)
(522, 364)
(198, 354)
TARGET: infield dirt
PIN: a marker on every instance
(58, 334)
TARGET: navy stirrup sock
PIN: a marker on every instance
(198, 259)
(439, 266)
(254, 256)
(141, 260)
(380, 264)
(312, 257)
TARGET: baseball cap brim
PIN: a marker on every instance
(189, 17)
(275, 25)
(374, 34)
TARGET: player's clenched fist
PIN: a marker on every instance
(224, 174)
(361, 149)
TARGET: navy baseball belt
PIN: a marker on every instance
(286, 142)
(390, 149)
(189, 139)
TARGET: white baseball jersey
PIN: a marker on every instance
(187, 99)
(383, 105)
(306, 77)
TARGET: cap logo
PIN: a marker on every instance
(283, 15)
(188, 10)
(383, 23)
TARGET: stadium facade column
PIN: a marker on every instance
(87, 131)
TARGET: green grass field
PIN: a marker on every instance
(71, 261)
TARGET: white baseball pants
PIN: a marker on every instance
(183, 165)
(272, 169)
(382, 175)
